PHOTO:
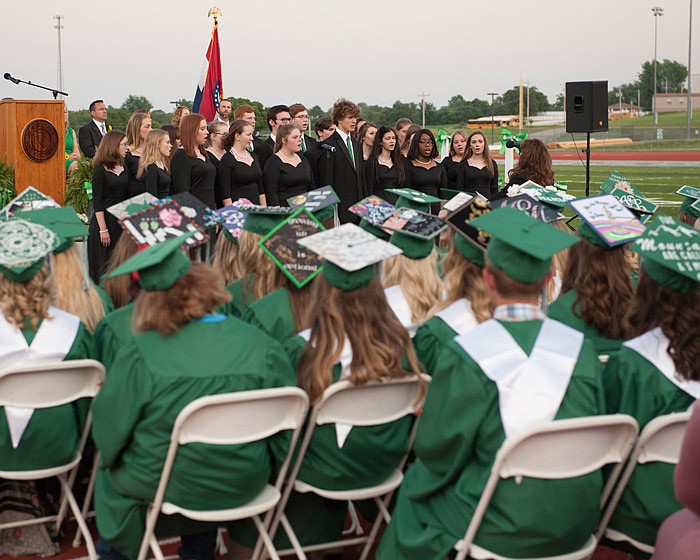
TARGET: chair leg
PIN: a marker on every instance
(296, 545)
(155, 548)
(266, 538)
(88, 499)
(92, 553)
(151, 518)
(373, 533)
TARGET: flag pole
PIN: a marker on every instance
(216, 13)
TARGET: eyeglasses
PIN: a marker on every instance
(426, 142)
(303, 117)
(218, 133)
(285, 120)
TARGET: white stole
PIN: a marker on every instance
(530, 388)
(653, 347)
(51, 343)
(399, 305)
(342, 431)
(459, 316)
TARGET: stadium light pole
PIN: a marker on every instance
(657, 11)
(689, 108)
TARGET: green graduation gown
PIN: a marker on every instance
(112, 333)
(242, 296)
(459, 433)
(136, 409)
(273, 315)
(636, 386)
(562, 310)
(52, 435)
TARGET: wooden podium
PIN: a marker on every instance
(33, 142)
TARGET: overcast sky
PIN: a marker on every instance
(313, 51)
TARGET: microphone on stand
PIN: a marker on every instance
(7, 76)
(328, 147)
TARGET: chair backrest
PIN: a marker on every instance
(369, 404)
(50, 384)
(558, 450)
(662, 439)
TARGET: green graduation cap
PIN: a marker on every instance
(690, 206)
(378, 232)
(24, 247)
(521, 246)
(350, 254)
(263, 219)
(63, 221)
(671, 251)
(160, 265)
(470, 251)
(411, 198)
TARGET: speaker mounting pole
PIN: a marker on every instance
(588, 163)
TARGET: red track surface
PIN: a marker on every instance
(679, 155)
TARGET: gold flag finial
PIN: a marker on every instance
(216, 12)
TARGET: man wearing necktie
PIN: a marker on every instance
(90, 135)
(340, 162)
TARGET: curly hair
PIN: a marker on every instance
(463, 280)
(678, 316)
(25, 304)
(122, 289)
(363, 317)
(534, 163)
(343, 108)
(194, 295)
(603, 285)
(74, 293)
(419, 281)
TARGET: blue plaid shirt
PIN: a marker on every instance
(519, 312)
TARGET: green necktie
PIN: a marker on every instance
(352, 155)
(303, 144)
(250, 148)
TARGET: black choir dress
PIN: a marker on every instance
(237, 179)
(107, 189)
(473, 179)
(451, 168)
(193, 175)
(387, 178)
(282, 180)
(428, 181)
(157, 181)
(131, 163)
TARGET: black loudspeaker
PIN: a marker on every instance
(586, 106)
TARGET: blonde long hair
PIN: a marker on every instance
(363, 317)
(133, 129)
(419, 281)
(25, 304)
(256, 267)
(225, 259)
(151, 151)
(71, 295)
(464, 280)
(121, 290)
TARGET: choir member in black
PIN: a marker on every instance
(534, 164)
(409, 133)
(365, 137)
(246, 113)
(191, 169)
(401, 127)
(277, 115)
(110, 185)
(215, 142)
(239, 175)
(323, 128)
(180, 113)
(478, 172)
(385, 167)
(423, 173)
(458, 146)
(137, 128)
(286, 173)
(154, 167)
(301, 119)
(174, 133)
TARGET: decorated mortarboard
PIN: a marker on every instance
(618, 180)
(29, 199)
(460, 221)
(691, 192)
(63, 221)
(457, 201)
(415, 223)
(695, 209)
(196, 210)
(319, 201)
(373, 209)
(606, 222)
(550, 196)
(350, 254)
(378, 232)
(449, 194)
(691, 202)
(160, 265)
(24, 246)
(298, 263)
(263, 219)
(533, 208)
(640, 206)
(520, 246)
(233, 218)
(162, 221)
(411, 198)
(132, 205)
(671, 254)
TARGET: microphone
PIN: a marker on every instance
(513, 144)
(328, 147)
(7, 76)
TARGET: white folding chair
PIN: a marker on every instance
(556, 450)
(230, 419)
(370, 404)
(46, 386)
(660, 441)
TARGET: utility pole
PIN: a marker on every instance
(619, 100)
(527, 118)
(657, 11)
(689, 108)
(422, 98)
(520, 104)
(493, 97)
(59, 71)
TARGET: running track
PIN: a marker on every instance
(676, 156)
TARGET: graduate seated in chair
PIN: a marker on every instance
(474, 403)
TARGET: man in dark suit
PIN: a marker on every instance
(343, 166)
(276, 115)
(301, 119)
(90, 135)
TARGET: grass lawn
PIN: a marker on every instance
(659, 184)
